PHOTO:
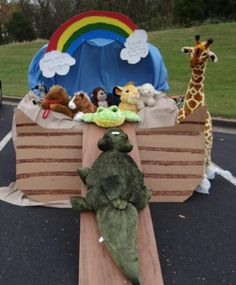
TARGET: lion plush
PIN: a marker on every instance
(56, 100)
(129, 97)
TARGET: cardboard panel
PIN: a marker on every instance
(48, 154)
(47, 166)
(173, 158)
(189, 155)
(47, 160)
(54, 141)
(51, 182)
(47, 198)
(174, 169)
(154, 139)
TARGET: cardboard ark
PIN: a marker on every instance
(172, 159)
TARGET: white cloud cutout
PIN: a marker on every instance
(136, 47)
(56, 62)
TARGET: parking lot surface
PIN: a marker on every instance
(195, 239)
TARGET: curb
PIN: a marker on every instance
(225, 123)
(12, 99)
(216, 122)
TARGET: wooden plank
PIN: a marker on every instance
(96, 265)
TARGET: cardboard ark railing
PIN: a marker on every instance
(171, 158)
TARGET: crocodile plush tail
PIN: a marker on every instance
(117, 222)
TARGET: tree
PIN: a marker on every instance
(188, 11)
(20, 28)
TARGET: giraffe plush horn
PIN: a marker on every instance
(197, 38)
(209, 42)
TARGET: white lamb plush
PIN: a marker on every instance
(148, 95)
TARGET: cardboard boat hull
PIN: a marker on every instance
(172, 159)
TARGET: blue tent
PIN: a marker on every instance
(98, 64)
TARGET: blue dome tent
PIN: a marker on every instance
(98, 64)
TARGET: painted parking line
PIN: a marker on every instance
(5, 140)
(225, 173)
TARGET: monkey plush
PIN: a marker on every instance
(100, 98)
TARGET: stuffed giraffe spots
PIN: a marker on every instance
(195, 97)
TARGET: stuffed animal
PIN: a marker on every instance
(56, 100)
(81, 104)
(116, 192)
(99, 98)
(110, 117)
(148, 95)
(129, 97)
(40, 90)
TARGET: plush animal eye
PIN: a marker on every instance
(115, 133)
(114, 109)
(100, 93)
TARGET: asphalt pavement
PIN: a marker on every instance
(195, 239)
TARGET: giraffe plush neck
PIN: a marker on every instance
(195, 97)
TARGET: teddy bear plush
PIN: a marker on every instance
(99, 98)
(148, 95)
(56, 100)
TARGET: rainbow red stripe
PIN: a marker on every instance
(89, 25)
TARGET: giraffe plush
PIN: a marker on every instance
(195, 97)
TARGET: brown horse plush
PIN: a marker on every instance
(56, 100)
(81, 104)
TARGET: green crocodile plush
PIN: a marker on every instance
(116, 192)
(110, 117)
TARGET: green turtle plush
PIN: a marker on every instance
(116, 192)
(110, 117)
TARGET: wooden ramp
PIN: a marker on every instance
(96, 265)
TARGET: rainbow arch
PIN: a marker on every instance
(93, 24)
